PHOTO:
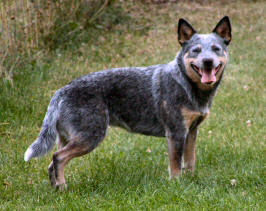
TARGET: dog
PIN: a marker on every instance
(165, 100)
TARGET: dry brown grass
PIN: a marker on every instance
(28, 28)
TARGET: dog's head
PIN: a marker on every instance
(204, 55)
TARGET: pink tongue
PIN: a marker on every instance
(208, 77)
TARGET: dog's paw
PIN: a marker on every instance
(189, 168)
(61, 187)
(189, 172)
(174, 174)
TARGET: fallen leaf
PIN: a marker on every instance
(6, 183)
(246, 88)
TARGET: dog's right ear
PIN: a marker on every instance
(185, 31)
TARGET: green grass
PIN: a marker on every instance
(122, 174)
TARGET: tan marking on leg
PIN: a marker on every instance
(190, 143)
(174, 158)
(175, 168)
(60, 144)
(190, 151)
(63, 156)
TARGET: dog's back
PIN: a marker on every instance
(131, 96)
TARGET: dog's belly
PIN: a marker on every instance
(151, 126)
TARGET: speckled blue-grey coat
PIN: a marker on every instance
(168, 100)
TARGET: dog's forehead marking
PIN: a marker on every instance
(205, 42)
(206, 39)
(204, 36)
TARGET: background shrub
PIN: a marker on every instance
(30, 29)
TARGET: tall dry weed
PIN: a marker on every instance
(31, 28)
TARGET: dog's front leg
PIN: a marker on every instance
(175, 152)
(190, 150)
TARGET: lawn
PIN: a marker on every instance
(129, 171)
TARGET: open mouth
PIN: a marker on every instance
(199, 71)
(196, 69)
(218, 68)
(207, 76)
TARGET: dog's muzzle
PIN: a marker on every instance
(207, 75)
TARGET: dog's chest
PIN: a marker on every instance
(193, 118)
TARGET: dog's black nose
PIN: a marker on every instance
(208, 62)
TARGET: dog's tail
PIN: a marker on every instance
(48, 134)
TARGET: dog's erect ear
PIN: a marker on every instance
(185, 31)
(223, 29)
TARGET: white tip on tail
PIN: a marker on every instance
(28, 154)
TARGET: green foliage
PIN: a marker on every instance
(129, 171)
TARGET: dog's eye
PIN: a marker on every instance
(196, 50)
(216, 48)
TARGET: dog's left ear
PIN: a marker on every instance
(223, 29)
(185, 31)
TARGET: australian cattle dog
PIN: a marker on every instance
(166, 100)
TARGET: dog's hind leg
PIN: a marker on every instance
(74, 149)
(61, 143)
(86, 128)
